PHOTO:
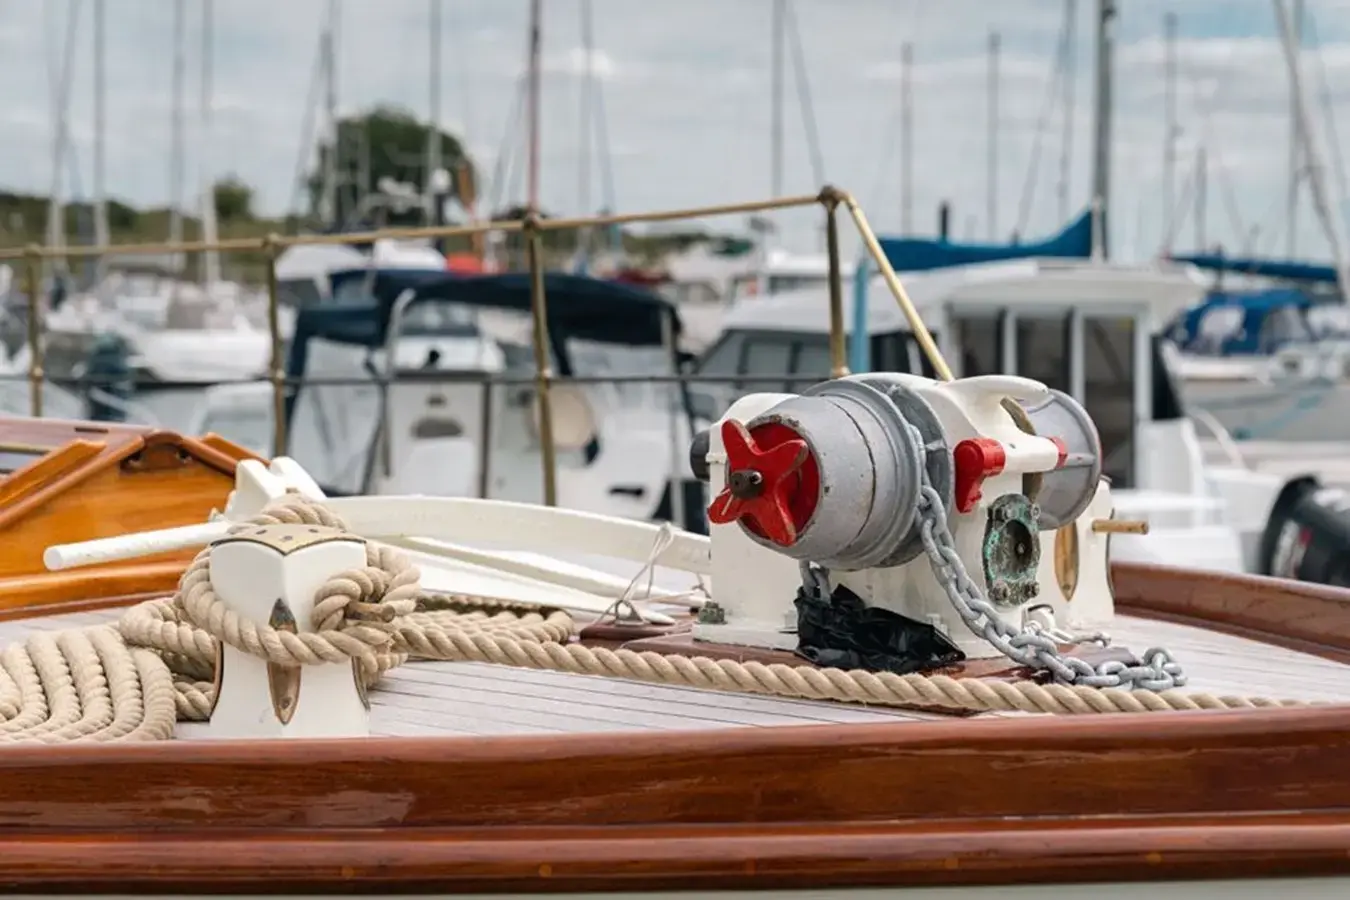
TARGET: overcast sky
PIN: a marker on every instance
(687, 89)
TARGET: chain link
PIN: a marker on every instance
(1031, 647)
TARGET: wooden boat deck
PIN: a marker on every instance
(426, 699)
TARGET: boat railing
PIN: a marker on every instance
(532, 229)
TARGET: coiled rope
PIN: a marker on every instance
(137, 679)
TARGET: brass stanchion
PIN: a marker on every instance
(33, 277)
(916, 324)
(543, 370)
(830, 198)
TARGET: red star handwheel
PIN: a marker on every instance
(767, 481)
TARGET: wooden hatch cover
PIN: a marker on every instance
(66, 481)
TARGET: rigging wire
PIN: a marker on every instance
(307, 125)
(1070, 77)
(890, 132)
(1048, 106)
(1214, 163)
(803, 84)
(503, 181)
(1328, 109)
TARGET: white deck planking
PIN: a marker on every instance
(462, 699)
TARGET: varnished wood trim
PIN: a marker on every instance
(984, 802)
(1158, 764)
(207, 455)
(1311, 618)
(79, 460)
(676, 858)
(101, 587)
(29, 487)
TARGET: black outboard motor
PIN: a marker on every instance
(1308, 535)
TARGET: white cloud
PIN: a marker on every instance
(687, 96)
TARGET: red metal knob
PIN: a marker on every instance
(773, 482)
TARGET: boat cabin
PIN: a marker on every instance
(423, 382)
(64, 481)
(1260, 322)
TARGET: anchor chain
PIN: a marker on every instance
(1031, 647)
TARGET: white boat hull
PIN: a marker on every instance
(1273, 411)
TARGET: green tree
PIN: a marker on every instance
(234, 200)
(387, 142)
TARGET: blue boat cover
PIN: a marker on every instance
(923, 254)
(1288, 270)
(1255, 305)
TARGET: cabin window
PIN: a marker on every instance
(981, 341)
(1043, 350)
(766, 355)
(1108, 381)
(1283, 325)
(811, 362)
(724, 359)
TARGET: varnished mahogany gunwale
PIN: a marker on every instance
(972, 802)
(1309, 618)
(1253, 793)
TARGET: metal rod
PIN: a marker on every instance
(33, 270)
(543, 369)
(727, 209)
(278, 362)
(509, 226)
(1119, 526)
(916, 324)
(838, 347)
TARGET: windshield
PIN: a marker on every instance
(439, 317)
(588, 359)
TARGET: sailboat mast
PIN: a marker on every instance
(991, 148)
(587, 123)
(1069, 87)
(1295, 146)
(329, 211)
(61, 82)
(586, 127)
(433, 162)
(907, 138)
(1169, 125)
(1312, 153)
(536, 46)
(1101, 135)
(176, 135)
(101, 235)
(210, 259)
(779, 35)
